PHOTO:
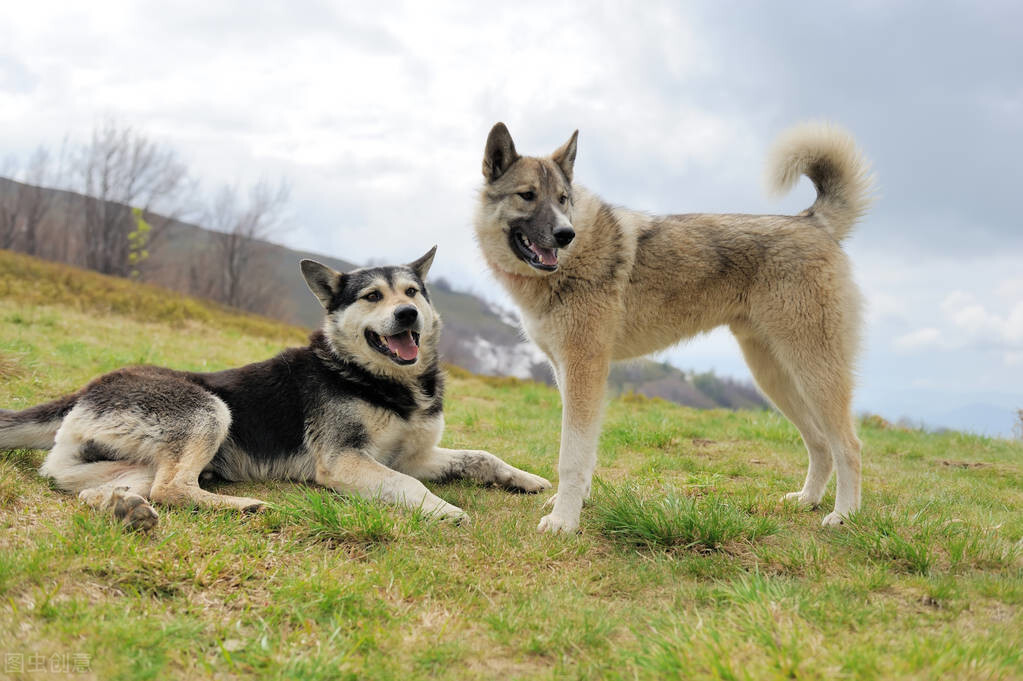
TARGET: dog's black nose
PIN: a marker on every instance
(406, 314)
(564, 236)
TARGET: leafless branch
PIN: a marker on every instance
(239, 232)
(118, 170)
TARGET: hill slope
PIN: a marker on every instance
(687, 566)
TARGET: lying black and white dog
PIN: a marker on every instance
(359, 410)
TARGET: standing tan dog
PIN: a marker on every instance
(597, 283)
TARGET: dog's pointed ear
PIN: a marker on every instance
(422, 265)
(565, 155)
(321, 280)
(499, 154)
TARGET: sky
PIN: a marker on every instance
(376, 114)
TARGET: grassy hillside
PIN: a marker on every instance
(687, 566)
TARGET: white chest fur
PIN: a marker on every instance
(392, 438)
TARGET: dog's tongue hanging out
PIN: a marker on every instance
(403, 345)
(548, 256)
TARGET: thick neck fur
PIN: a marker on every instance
(405, 391)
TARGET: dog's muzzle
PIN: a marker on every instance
(536, 256)
(401, 347)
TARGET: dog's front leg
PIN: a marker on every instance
(443, 464)
(355, 472)
(582, 381)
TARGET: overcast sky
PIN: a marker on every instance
(378, 119)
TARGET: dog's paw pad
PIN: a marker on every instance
(134, 511)
(255, 507)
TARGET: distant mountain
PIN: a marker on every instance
(478, 335)
(982, 419)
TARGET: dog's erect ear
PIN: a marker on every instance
(321, 280)
(422, 265)
(499, 154)
(565, 155)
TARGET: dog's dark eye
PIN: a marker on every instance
(373, 296)
(411, 292)
(562, 199)
(527, 196)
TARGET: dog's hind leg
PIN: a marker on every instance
(483, 467)
(125, 493)
(777, 383)
(121, 487)
(824, 380)
(179, 463)
(173, 427)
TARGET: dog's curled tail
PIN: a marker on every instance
(35, 427)
(828, 155)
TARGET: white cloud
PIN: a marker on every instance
(919, 339)
(883, 306)
(1011, 289)
(978, 323)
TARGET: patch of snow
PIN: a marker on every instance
(502, 360)
(509, 317)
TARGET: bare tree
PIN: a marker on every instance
(25, 202)
(239, 230)
(120, 169)
(9, 213)
(35, 199)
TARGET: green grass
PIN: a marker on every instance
(321, 514)
(688, 565)
(666, 519)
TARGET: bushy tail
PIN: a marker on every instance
(35, 427)
(828, 155)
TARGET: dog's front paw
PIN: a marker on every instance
(554, 524)
(251, 506)
(527, 482)
(833, 519)
(448, 513)
(800, 498)
(456, 517)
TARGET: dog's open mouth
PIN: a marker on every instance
(402, 348)
(533, 255)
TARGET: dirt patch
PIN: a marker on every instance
(964, 464)
(10, 367)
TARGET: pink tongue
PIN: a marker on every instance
(402, 345)
(548, 256)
